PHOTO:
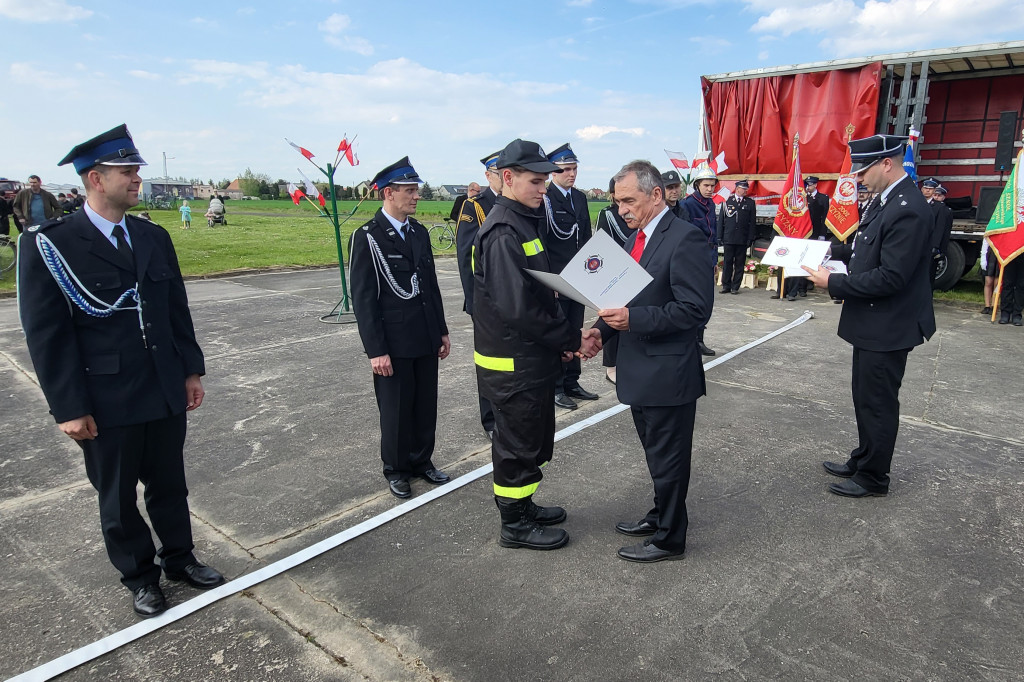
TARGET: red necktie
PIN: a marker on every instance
(638, 246)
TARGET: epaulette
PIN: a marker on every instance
(416, 223)
(46, 225)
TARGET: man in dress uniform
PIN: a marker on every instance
(471, 216)
(401, 323)
(736, 233)
(568, 229)
(941, 230)
(673, 193)
(660, 372)
(887, 309)
(106, 318)
(521, 336)
(928, 186)
(699, 208)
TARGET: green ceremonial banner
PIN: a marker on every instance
(1005, 231)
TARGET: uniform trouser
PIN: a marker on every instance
(115, 461)
(407, 401)
(610, 351)
(486, 411)
(569, 377)
(877, 377)
(666, 433)
(796, 285)
(524, 440)
(1011, 296)
(732, 265)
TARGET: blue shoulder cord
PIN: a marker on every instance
(73, 288)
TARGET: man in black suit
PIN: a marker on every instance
(568, 229)
(941, 230)
(401, 323)
(887, 309)
(471, 216)
(106, 318)
(736, 233)
(660, 375)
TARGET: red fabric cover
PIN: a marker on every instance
(753, 121)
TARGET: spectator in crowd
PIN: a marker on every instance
(186, 214)
(34, 205)
(78, 199)
(990, 269)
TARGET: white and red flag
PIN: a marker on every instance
(678, 160)
(312, 191)
(302, 150)
(346, 149)
(295, 193)
(722, 195)
(718, 163)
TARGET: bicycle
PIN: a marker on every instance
(8, 254)
(442, 237)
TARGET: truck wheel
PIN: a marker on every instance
(951, 267)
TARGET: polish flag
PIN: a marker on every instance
(678, 160)
(722, 195)
(718, 164)
(348, 150)
(302, 150)
(295, 193)
(312, 191)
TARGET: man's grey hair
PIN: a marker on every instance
(647, 176)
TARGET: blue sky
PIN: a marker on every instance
(217, 85)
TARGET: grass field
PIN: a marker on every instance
(264, 234)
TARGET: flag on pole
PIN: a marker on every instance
(718, 164)
(302, 150)
(346, 149)
(1005, 231)
(295, 193)
(908, 158)
(793, 218)
(678, 160)
(842, 217)
(312, 191)
(722, 195)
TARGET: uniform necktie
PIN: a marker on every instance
(571, 205)
(638, 246)
(402, 229)
(122, 244)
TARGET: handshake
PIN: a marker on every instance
(590, 343)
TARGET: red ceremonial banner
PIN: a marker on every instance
(794, 218)
(843, 218)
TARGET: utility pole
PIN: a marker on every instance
(165, 163)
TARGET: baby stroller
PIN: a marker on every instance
(216, 215)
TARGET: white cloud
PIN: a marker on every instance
(591, 133)
(43, 11)
(222, 74)
(29, 75)
(335, 30)
(145, 75)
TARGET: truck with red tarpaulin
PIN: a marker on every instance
(966, 102)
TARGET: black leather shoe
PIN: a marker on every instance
(1018, 321)
(400, 489)
(840, 470)
(197, 575)
(850, 488)
(434, 477)
(790, 297)
(724, 291)
(987, 310)
(638, 529)
(647, 553)
(803, 294)
(774, 297)
(581, 393)
(735, 291)
(1004, 318)
(704, 350)
(565, 402)
(148, 601)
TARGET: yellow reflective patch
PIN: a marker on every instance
(472, 258)
(497, 364)
(533, 248)
(515, 493)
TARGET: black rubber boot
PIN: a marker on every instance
(518, 529)
(544, 516)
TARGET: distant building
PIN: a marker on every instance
(365, 190)
(449, 192)
(158, 187)
(596, 193)
(233, 191)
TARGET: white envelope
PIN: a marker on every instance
(601, 275)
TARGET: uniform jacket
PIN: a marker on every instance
(519, 329)
(888, 293)
(471, 217)
(658, 361)
(736, 221)
(388, 323)
(943, 226)
(818, 208)
(100, 366)
(566, 214)
(23, 206)
(699, 211)
(611, 222)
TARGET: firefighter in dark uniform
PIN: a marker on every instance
(674, 193)
(521, 337)
(568, 229)
(699, 208)
(401, 322)
(942, 229)
(106, 318)
(471, 216)
(736, 234)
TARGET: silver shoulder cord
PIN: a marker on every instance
(614, 225)
(380, 265)
(555, 229)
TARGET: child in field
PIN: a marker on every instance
(186, 215)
